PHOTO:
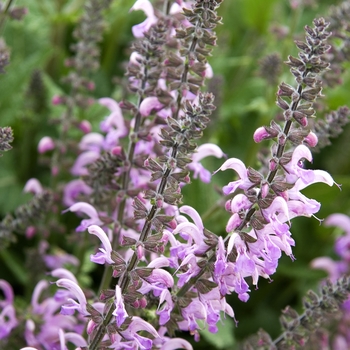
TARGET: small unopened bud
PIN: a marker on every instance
(54, 171)
(85, 126)
(228, 205)
(143, 303)
(90, 85)
(90, 327)
(282, 139)
(273, 165)
(172, 224)
(30, 231)
(46, 144)
(116, 151)
(140, 252)
(265, 190)
(56, 100)
(311, 139)
(284, 195)
(260, 134)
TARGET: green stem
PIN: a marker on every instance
(4, 13)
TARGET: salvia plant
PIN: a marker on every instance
(163, 276)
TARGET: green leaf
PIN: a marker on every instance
(224, 338)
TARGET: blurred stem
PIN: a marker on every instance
(14, 266)
(4, 13)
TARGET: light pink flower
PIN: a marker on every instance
(46, 144)
(146, 6)
(33, 186)
(149, 105)
(238, 166)
(104, 254)
(87, 209)
(80, 304)
(203, 151)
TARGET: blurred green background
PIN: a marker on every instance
(41, 42)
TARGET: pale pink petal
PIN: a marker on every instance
(33, 186)
(46, 144)
(236, 165)
(84, 159)
(150, 104)
(91, 142)
(193, 214)
(176, 343)
(340, 220)
(206, 150)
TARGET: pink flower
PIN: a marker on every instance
(33, 186)
(203, 151)
(238, 166)
(84, 159)
(104, 254)
(119, 312)
(149, 105)
(115, 121)
(139, 29)
(87, 209)
(80, 304)
(46, 144)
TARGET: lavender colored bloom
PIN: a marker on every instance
(119, 312)
(176, 343)
(33, 186)
(150, 104)
(132, 339)
(192, 313)
(73, 305)
(87, 209)
(73, 189)
(104, 255)
(241, 170)
(205, 150)
(71, 337)
(82, 161)
(91, 142)
(8, 320)
(115, 121)
(139, 29)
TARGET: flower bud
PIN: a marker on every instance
(260, 134)
(85, 126)
(56, 100)
(46, 144)
(311, 139)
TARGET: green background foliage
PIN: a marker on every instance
(41, 42)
